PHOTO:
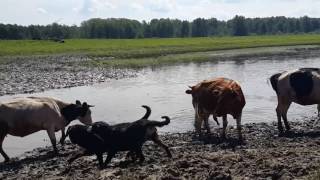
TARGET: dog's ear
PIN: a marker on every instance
(78, 102)
(85, 105)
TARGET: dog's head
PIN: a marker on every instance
(101, 128)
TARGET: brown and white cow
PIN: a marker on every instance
(301, 86)
(219, 97)
(24, 116)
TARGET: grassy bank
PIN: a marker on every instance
(142, 52)
(137, 48)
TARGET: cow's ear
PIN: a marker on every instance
(189, 91)
(78, 102)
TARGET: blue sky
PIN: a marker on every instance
(69, 12)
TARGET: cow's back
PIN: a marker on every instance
(25, 116)
(301, 86)
(221, 96)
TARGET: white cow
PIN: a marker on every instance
(301, 86)
(24, 116)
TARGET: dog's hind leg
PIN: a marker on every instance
(155, 139)
(140, 154)
(131, 155)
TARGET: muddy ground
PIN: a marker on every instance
(39, 73)
(263, 155)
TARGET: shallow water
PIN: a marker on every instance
(163, 89)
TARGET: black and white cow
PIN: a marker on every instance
(301, 86)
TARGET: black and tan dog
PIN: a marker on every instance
(102, 137)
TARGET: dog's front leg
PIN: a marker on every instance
(109, 157)
(140, 154)
(132, 155)
(100, 159)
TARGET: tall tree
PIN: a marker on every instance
(185, 29)
(239, 27)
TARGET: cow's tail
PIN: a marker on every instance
(148, 112)
(159, 123)
(274, 81)
(68, 131)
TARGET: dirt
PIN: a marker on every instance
(262, 155)
(39, 73)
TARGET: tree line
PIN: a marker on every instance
(117, 28)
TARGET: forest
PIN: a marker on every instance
(121, 28)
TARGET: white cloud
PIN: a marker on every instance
(41, 10)
(137, 6)
(161, 5)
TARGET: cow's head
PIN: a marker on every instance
(85, 113)
(195, 102)
(77, 111)
(191, 90)
(196, 92)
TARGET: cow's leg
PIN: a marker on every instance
(197, 123)
(284, 115)
(53, 140)
(279, 112)
(239, 126)
(3, 133)
(280, 127)
(225, 124)
(206, 123)
(156, 140)
(316, 121)
(216, 120)
(63, 136)
(282, 109)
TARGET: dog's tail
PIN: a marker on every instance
(148, 112)
(160, 123)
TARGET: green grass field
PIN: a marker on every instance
(137, 48)
(133, 52)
